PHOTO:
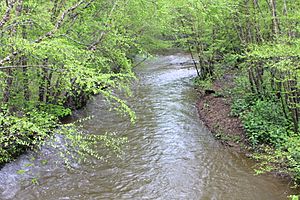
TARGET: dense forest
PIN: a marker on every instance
(55, 55)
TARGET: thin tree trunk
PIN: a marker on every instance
(274, 17)
(285, 12)
(42, 84)
(194, 61)
(8, 86)
(49, 87)
(252, 84)
(24, 60)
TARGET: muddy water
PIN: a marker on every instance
(170, 154)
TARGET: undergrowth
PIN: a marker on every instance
(276, 146)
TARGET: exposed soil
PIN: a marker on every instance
(214, 108)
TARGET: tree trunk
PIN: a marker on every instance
(8, 86)
(274, 17)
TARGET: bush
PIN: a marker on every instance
(23, 132)
(56, 110)
(292, 149)
(239, 106)
(265, 123)
(203, 84)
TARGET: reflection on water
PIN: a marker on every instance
(170, 154)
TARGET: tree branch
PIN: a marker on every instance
(59, 22)
(93, 46)
(26, 66)
(6, 16)
(47, 35)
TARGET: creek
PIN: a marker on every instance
(169, 155)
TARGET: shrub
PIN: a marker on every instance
(265, 123)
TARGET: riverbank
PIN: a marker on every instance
(214, 108)
(215, 111)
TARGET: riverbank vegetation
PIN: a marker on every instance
(55, 55)
(260, 40)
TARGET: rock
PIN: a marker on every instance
(207, 92)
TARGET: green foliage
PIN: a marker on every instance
(232, 59)
(265, 123)
(21, 171)
(203, 84)
(284, 159)
(34, 181)
(243, 98)
(261, 40)
(268, 131)
(55, 55)
(238, 107)
(283, 48)
(291, 149)
(37, 128)
(74, 145)
(55, 110)
(23, 132)
(65, 52)
(294, 197)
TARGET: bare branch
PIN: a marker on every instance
(6, 16)
(88, 4)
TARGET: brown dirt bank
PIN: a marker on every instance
(214, 107)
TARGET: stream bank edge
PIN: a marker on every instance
(214, 111)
